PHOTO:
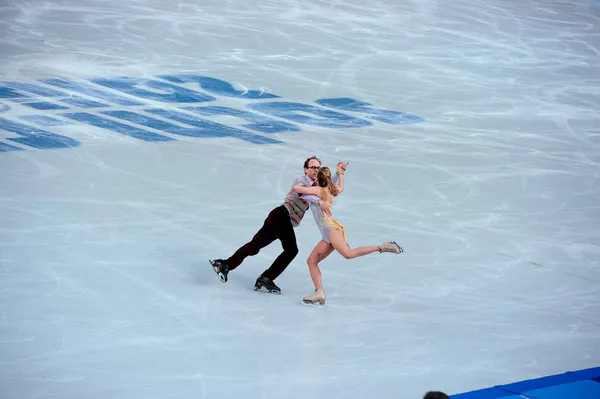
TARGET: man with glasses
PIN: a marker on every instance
(279, 224)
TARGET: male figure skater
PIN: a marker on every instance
(279, 224)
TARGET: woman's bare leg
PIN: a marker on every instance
(320, 252)
(339, 243)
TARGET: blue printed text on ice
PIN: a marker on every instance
(132, 106)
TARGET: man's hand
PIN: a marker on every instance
(325, 207)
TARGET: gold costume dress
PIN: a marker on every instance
(325, 223)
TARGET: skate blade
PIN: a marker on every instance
(399, 247)
(313, 304)
(221, 275)
(267, 291)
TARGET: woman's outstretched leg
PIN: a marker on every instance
(339, 243)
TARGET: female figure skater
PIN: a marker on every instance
(332, 232)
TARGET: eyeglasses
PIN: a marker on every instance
(314, 167)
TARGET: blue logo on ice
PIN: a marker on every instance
(167, 106)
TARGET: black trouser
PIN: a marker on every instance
(277, 225)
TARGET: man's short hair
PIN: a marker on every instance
(308, 160)
(435, 395)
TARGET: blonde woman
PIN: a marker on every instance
(333, 233)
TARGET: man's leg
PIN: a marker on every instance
(287, 236)
(265, 236)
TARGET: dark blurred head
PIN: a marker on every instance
(435, 395)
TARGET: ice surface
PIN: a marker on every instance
(105, 287)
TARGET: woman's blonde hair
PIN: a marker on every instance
(324, 180)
